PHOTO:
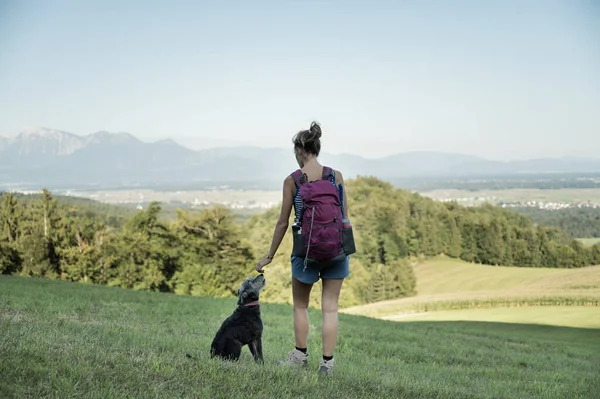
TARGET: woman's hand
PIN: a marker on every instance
(262, 263)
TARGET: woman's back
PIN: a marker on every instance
(313, 171)
(307, 146)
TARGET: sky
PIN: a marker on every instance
(499, 79)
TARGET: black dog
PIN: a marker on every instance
(244, 326)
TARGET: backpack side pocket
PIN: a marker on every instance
(298, 244)
(348, 238)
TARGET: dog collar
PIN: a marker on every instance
(255, 303)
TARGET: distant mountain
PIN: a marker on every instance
(53, 158)
(35, 146)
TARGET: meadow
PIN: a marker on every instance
(62, 339)
(471, 331)
(450, 289)
(566, 316)
(588, 242)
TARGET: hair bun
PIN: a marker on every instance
(309, 140)
(315, 129)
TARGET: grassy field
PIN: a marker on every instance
(64, 339)
(588, 242)
(566, 316)
(446, 284)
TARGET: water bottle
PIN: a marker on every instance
(297, 226)
(346, 224)
(297, 240)
(348, 237)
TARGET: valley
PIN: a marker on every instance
(237, 200)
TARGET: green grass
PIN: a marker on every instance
(447, 284)
(567, 316)
(589, 242)
(64, 339)
(444, 275)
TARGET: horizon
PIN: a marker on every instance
(498, 80)
(25, 129)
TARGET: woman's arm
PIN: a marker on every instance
(282, 223)
(284, 216)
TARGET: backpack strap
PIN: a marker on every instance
(341, 195)
(327, 172)
(298, 177)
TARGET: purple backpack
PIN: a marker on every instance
(318, 235)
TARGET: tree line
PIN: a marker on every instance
(209, 252)
(575, 222)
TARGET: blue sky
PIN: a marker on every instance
(502, 79)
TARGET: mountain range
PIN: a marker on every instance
(53, 158)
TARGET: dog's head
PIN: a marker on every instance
(250, 289)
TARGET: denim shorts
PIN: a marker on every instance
(313, 271)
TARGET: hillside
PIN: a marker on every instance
(445, 285)
(62, 339)
(449, 276)
(56, 159)
(207, 253)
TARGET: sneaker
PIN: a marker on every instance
(326, 366)
(295, 358)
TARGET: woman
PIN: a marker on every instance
(307, 146)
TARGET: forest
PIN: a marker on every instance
(575, 222)
(210, 252)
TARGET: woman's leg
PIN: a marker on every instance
(301, 295)
(329, 306)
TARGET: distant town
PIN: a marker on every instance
(545, 205)
(550, 206)
(258, 200)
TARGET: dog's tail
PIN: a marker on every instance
(189, 356)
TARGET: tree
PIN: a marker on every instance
(595, 255)
(144, 254)
(216, 260)
(567, 257)
(390, 281)
(453, 239)
(10, 214)
(83, 262)
(40, 237)
(10, 259)
(469, 239)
